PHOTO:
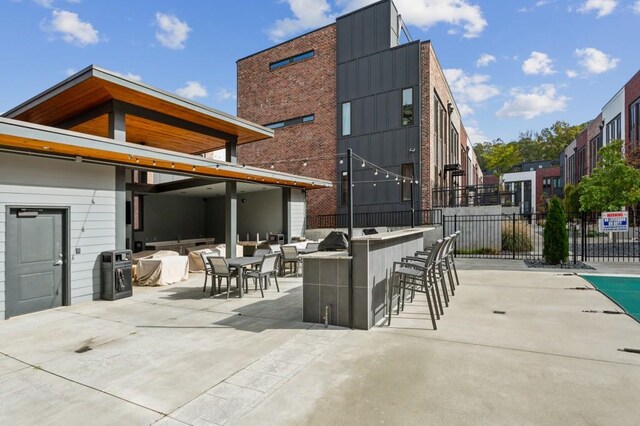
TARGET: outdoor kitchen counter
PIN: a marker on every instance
(326, 277)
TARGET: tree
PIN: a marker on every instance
(572, 200)
(613, 185)
(503, 158)
(556, 237)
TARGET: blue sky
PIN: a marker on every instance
(542, 60)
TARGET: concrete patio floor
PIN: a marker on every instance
(172, 355)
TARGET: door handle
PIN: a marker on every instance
(58, 263)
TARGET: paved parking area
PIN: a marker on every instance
(173, 355)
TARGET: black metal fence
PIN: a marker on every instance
(371, 220)
(472, 195)
(520, 236)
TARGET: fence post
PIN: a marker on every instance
(513, 236)
(583, 232)
(444, 224)
(575, 243)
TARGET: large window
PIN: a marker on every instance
(407, 107)
(291, 60)
(546, 185)
(614, 130)
(453, 146)
(406, 170)
(290, 122)
(634, 123)
(439, 133)
(346, 119)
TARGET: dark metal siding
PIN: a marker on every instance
(371, 75)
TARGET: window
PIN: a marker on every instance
(407, 107)
(439, 133)
(614, 130)
(290, 122)
(546, 185)
(634, 123)
(292, 60)
(344, 189)
(138, 213)
(556, 183)
(406, 170)
(453, 146)
(346, 119)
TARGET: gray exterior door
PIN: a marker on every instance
(35, 254)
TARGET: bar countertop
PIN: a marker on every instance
(391, 235)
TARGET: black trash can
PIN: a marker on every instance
(116, 274)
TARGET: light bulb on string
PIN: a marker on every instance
(363, 163)
(387, 176)
(376, 172)
(341, 161)
(304, 164)
(273, 166)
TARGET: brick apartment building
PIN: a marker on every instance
(619, 119)
(355, 84)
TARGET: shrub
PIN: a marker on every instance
(516, 238)
(556, 237)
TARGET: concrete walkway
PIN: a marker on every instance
(173, 356)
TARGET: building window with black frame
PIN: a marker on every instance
(346, 119)
(634, 123)
(407, 107)
(406, 170)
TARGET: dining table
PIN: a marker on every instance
(242, 263)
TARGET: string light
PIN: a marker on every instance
(341, 161)
(173, 165)
(376, 173)
(387, 176)
(154, 162)
(193, 168)
(363, 163)
(304, 164)
(137, 160)
(273, 166)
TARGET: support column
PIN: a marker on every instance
(117, 131)
(231, 203)
(286, 214)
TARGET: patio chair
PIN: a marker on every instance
(268, 267)
(221, 270)
(412, 277)
(429, 265)
(289, 256)
(451, 258)
(207, 271)
(262, 252)
(440, 269)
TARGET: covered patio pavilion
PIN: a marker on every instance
(78, 145)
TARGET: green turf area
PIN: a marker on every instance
(625, 291)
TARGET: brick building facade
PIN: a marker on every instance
(303, 87)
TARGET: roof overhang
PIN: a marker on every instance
(19, 136)
(153, 117)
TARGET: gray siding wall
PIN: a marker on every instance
(371, 75)
(167, 217)
(262, 212)
(86, 189)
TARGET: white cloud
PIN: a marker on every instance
(538, 63)
(465, 110)
(470, 88)
(173, 33)
(192, 90)
(539, 3)
(225, 94)
(636, 7)
(309, 14)
(44, 3)
(601, 7)
(540, 100)
(476, 135)
(72, 29)
(70, 71)
(572, 74)
(306, 14)
(130, 76)
(595, 61)
(485, 59)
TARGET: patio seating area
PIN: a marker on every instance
(514, 347)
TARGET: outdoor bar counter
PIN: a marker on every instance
(326, 278)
